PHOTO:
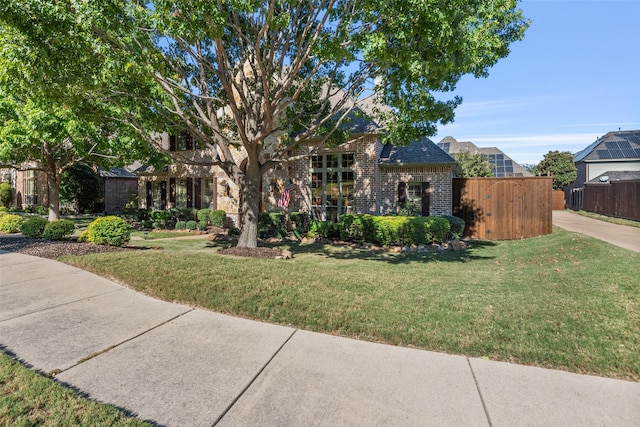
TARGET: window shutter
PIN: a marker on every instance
(402, 194)
(172, 143)
(163, 194)
(149, 195)
(189, 192)
(197, 190)
(426, 199)
(189, 141)
(172, 191)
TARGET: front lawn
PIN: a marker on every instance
(27, 399)
(562, 301)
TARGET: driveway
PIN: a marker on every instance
(619, 235)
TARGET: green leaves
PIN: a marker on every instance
(559, 165)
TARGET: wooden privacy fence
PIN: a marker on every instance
(557, 200)
(617, 198)
(504, 208)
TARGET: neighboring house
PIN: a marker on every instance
(118, 186)
(361, 175)
(30, 186)
(613, 152)
(503, 165)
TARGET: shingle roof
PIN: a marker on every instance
(358, 122)
(117, 173)
(615, 176)
(622, 145)
(416, 153)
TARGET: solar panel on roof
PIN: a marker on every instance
(604, 154)
(629, 152)
(611, 144)
(616, 153)
(624, 144)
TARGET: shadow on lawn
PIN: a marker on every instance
(352, 252)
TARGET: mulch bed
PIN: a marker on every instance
(54, 249)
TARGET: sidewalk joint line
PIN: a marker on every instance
(253, 380)
(62, 304)
(100, 352)
(484, 404)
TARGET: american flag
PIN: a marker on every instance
(285, 197)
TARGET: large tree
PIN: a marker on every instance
(267, 75)
(53, 114)
(559, 165)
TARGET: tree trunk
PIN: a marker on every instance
(249, 207)
(53, 182)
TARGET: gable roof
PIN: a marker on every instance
(503, 164)
(613, 146)
(417, 153)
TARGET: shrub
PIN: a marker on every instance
(56, 230)
(218, 218)
(6, 194)
(109, 230)
(203, 215)
(356, 228)
(190, 213)
(41, 210)
(271, 224)
(436, 228)
(324, 229)
(181, 225)
(192, 225)
(170, 224)
(156, 225)
(3, 209)
(34, 227)
(147, 223)
(10, 223)
(302, 221)
(456, 226)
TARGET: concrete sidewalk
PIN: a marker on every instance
(174, 365)
(619, 235)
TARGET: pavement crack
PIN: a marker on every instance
(253, 380)
(98, 353)
(484, 404)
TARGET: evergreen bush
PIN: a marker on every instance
(203, 215)
(34, 227)
(109, 230)
(218, 218)
(57, 230)
(181, 225)
(192, 225)
(456, 226)
(10, 223)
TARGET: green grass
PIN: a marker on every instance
(28, 398)
(561, 301)
(611, 219)
(154, 235)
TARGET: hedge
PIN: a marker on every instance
(393, 230)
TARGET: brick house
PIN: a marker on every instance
(361, 175)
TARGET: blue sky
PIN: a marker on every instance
(574, 77)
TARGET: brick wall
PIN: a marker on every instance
(439, 178)
(117, 192)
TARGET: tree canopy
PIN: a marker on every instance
(473, 165)
(266, 75)
(559, 165)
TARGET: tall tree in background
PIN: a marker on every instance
(55, 117)
(266, 75)
(559, 165)
(473, 165)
